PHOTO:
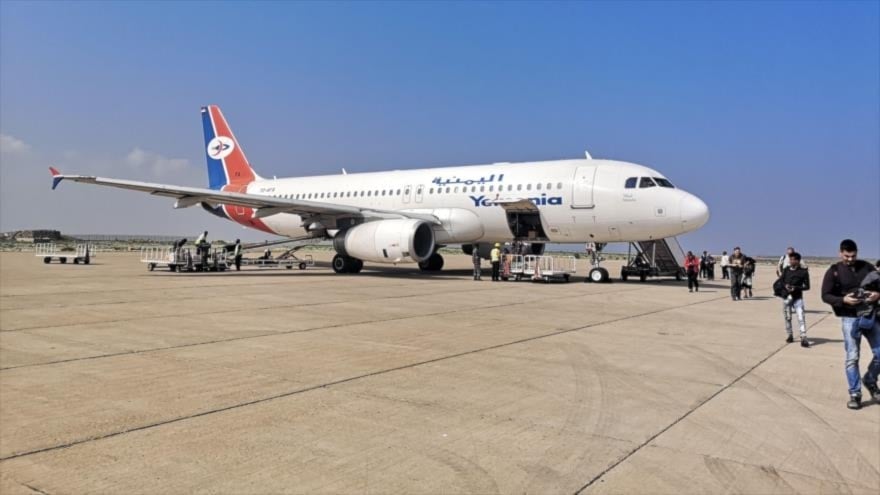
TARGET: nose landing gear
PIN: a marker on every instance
(597, 274)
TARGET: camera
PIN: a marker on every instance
(859, 294)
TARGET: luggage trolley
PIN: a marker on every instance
(547, 268)
(83, 253)
(287, 260)
(182, 259)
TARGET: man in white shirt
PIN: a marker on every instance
(725, 260)
(783, 261)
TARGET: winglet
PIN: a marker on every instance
(56, 177)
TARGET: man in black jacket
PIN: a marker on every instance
(796, 279)
(841, 289)
(735, 270)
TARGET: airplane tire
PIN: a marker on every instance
(62, 260)
(432, 264)
(598, 275)
(76, 261)
(47, 260)
(151, 267)
(302, 266)
(340, 264)
(356, 265)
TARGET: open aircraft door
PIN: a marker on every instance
(582, 187)
(524, 219)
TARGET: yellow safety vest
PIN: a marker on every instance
(496, 255)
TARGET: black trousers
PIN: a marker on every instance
(735, 284)
(238, 262)
(693, 283)
(496, 276)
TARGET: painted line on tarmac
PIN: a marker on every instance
(365, 375)
(200, 299)
(197, 297)
(284, 306)
(685, 415)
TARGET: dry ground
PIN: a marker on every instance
(116, 380)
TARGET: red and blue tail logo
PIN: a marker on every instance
(227, 164)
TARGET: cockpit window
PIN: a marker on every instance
(646, 182)
(663, 182)
(631, 182)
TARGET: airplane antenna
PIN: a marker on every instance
(587, 154)
(344, 172)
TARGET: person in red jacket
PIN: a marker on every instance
(692, 267)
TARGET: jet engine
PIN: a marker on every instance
(387, 241)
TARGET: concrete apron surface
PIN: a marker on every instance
(114, 379)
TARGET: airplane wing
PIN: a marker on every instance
(263, 206)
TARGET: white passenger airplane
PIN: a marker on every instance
(406, 215)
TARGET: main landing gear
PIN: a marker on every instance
(432, 264)
(346, 264)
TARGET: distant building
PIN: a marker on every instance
(36, 236)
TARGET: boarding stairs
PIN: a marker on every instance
(664, 257)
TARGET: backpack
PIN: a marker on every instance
(779, 287)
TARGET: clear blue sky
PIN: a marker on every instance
(768, 111)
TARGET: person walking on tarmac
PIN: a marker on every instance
(735, 272)
(725, 262)
(495, 256)
(692, 266)
(203, 248)
(795, 280)
(236, 255)
(475, 257)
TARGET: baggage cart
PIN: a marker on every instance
(183, 259)
(82, 253)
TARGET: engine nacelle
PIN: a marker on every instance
(387, 241)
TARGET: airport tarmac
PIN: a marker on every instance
(117, 380)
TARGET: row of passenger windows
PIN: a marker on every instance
(420, 189)
(645, 182)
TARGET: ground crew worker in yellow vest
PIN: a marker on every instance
(495, 256)
(236, 253)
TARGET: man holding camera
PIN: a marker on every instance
(856, 306)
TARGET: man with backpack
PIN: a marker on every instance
(857, 308)
(794, 280)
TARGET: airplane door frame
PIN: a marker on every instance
(583, 185)
(407, 190)
(420, 191)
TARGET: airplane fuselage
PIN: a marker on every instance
(577, 201)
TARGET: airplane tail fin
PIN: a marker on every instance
(227, 164)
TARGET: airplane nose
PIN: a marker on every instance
(694, 212)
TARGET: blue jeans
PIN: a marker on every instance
(852, 341)
(796, 306)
